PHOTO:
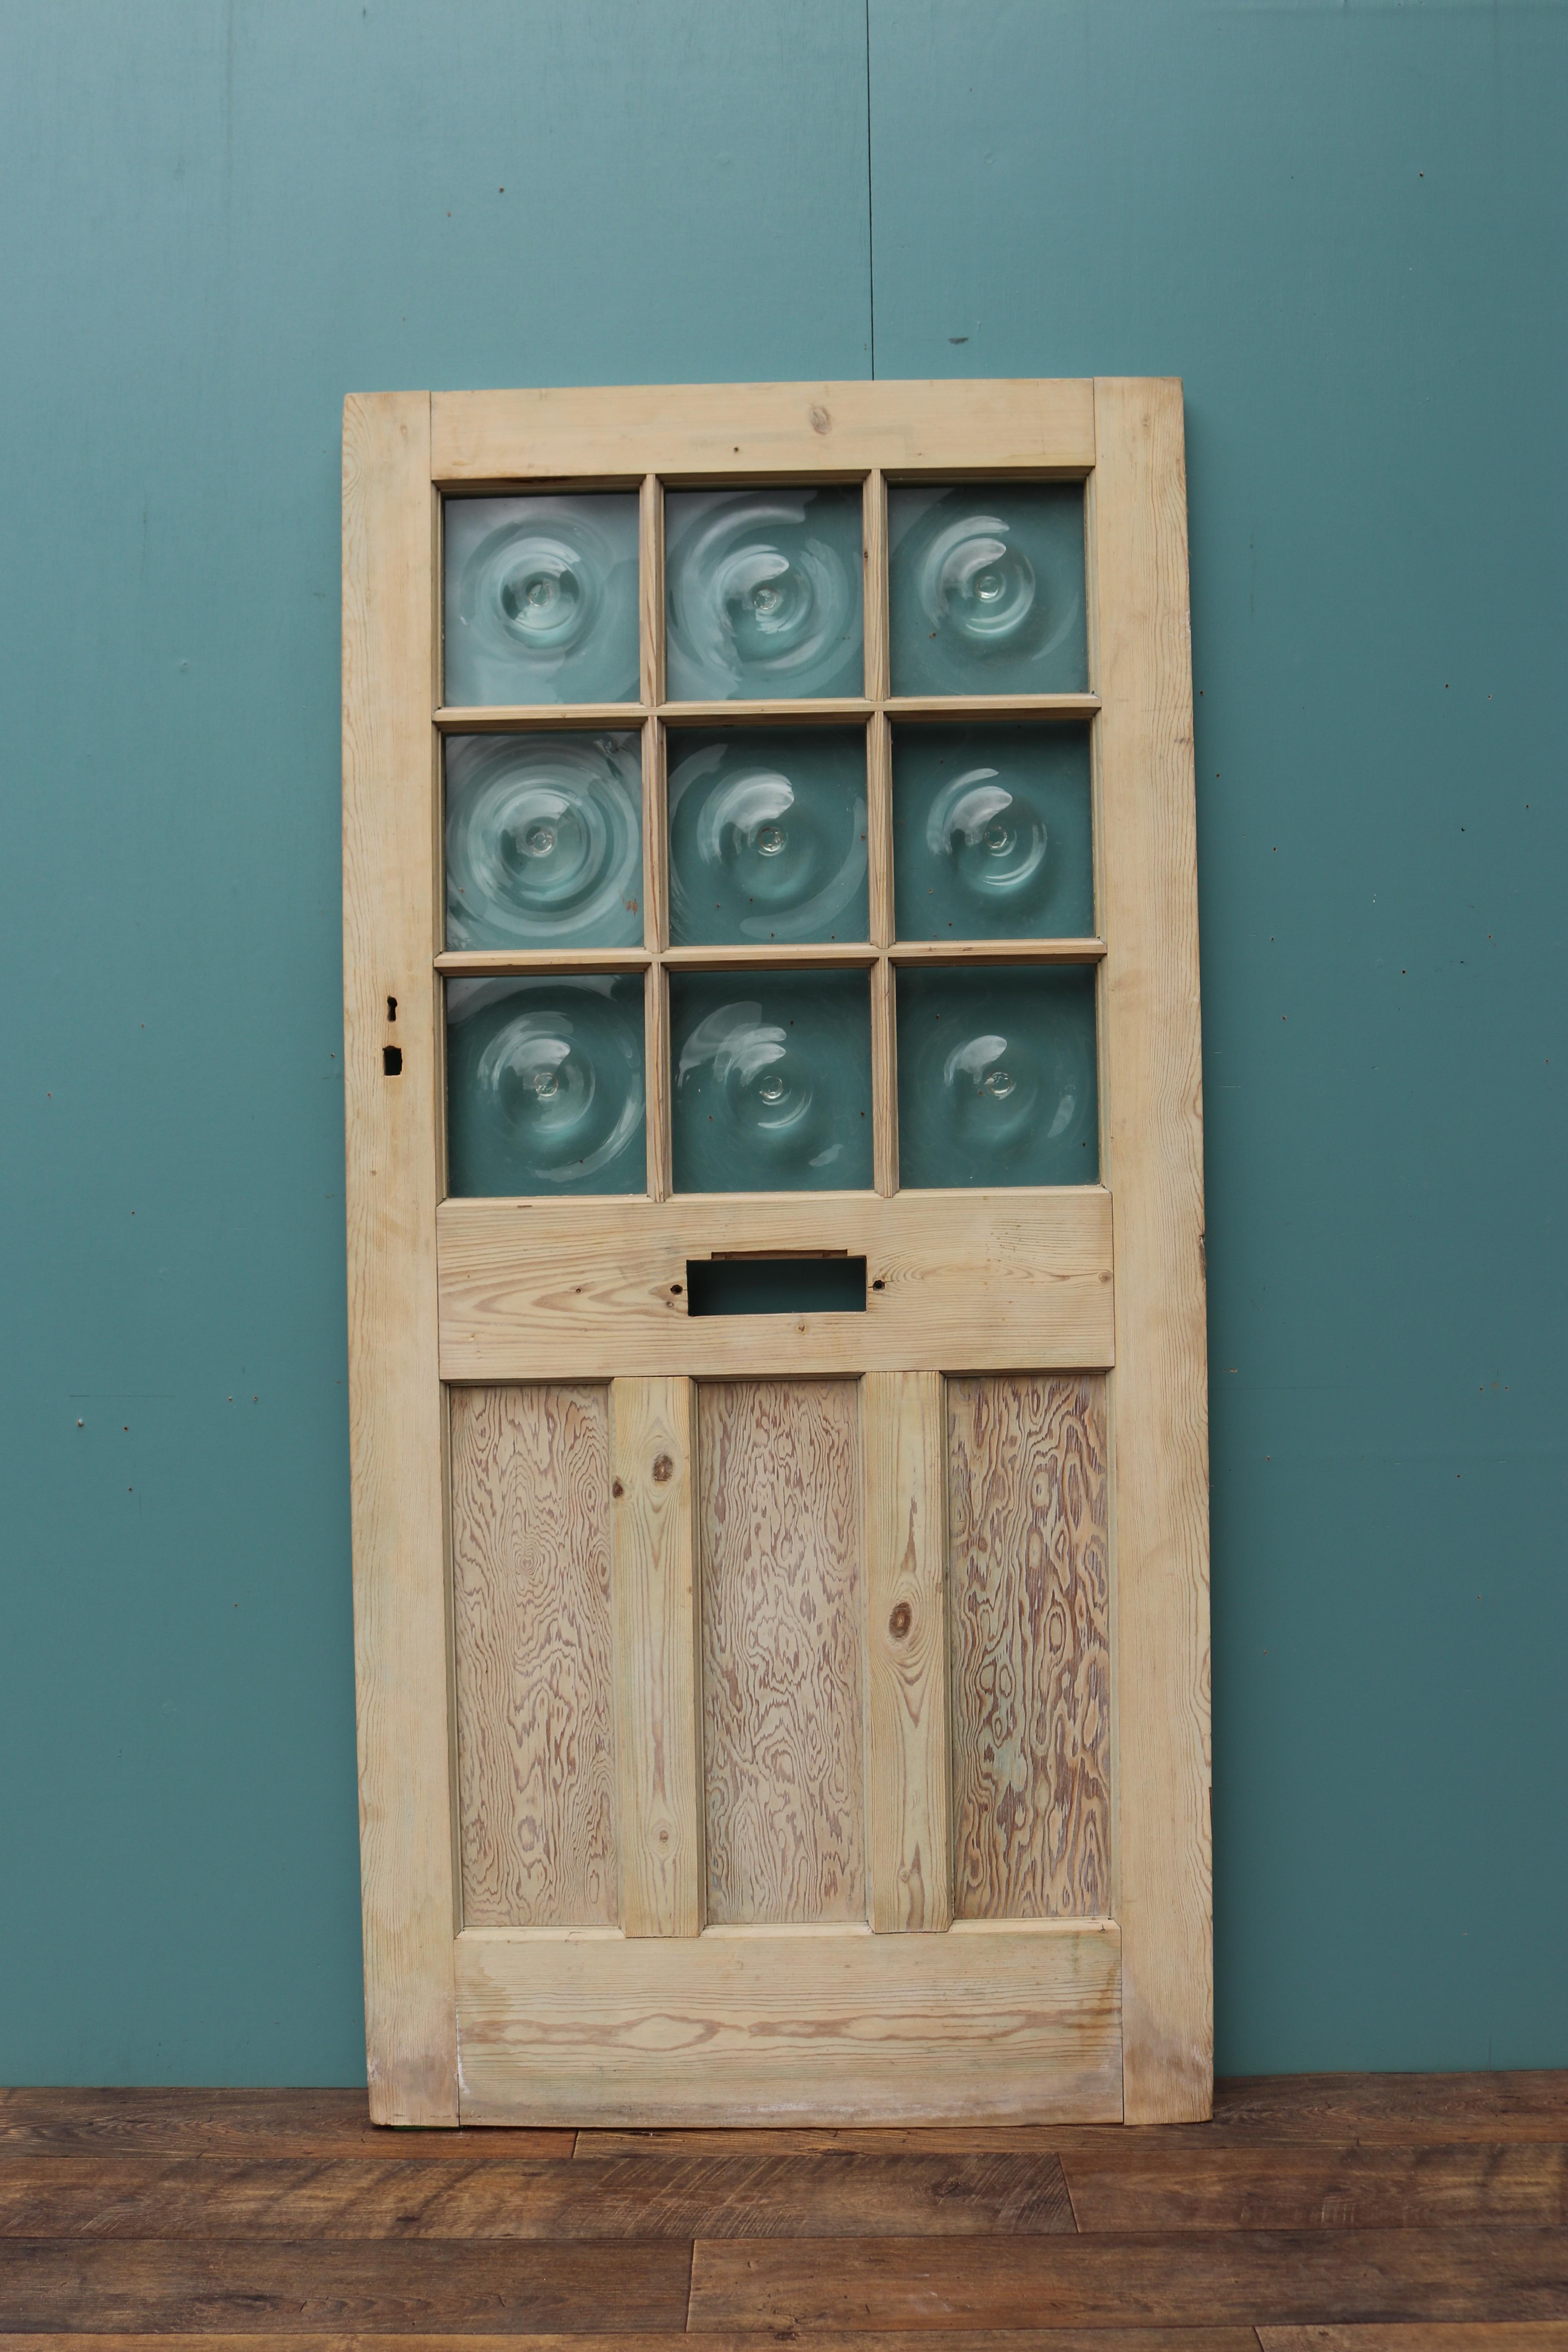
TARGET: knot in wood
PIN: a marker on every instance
(617, 1489)
(663, 1470)
(820, 420)
(900, 1621)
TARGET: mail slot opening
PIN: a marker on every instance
(789, 1284)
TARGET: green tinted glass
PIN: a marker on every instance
(991, 832)
(543, 841)
(762, 594)
(544, 1087)
(767, 835)
(541, 599)
(997, 1077)
(771, 1076)
(986, 588)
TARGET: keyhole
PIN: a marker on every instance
(392, 1008)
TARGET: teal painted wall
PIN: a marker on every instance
(1344, 229)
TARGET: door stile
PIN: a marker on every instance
(1158, 1388)
(657, 1668)
(392, 1123)
(904, 1448)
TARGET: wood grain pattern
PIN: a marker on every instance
(783, 1642)
(396, 1438)
(260, 2124)
(587, 1289)
(1468, 2335)
(788, 2025)
(1070, 2340)
(530, 1575)
(687, 2194)
(1154, 1164)
(707, 430)
(1244, 2275)
(904, 1436)
(176, 2287)
(1029, 1605)
(1271, 2187)
(660, 1818)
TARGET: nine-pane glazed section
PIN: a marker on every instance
(772, 1076)
(767, 835)
(545, 1085)
(541, 599)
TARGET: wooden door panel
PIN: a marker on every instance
(1030, 1611)
(783, 1643)
(535, 1687)
(833, 2025)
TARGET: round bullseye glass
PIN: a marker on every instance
(543, 841)
(762, 592)
(986, 588)
(545, 1087)
(541, 599)
(767, 835)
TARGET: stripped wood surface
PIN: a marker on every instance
(283, 2221)
(787, 2024)
(1153, 1164)
(1030, 1659)
(582, 1289)
(391, 1182)
(660, 1818)
(530, 1578)
(783, 1693)
(904, 1438)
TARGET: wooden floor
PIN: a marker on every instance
(1347, 2213)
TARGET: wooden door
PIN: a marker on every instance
(776, 1288)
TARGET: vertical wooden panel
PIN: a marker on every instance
(1030, 1605)
(660, 1825)
(905, 1442)
(396, 1440)
(530, 1579)
(782, 1630)
(1159, 1393)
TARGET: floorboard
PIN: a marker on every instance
(1347, 2213)
(685, 2196)
(1185, 2279)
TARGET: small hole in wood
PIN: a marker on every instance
(391, 1061)
(878, 1284)
(676, 1288)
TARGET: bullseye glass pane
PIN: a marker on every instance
(771, 1081)
(991, 832)
(762, 594)
(986, 592)
(767, 835)
(541, 599)
(543, 841)
(544, 1087)
(997, 1077)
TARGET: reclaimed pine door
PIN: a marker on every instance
(775, 1254)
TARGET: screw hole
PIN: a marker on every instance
(675, 1289)
(878, 1284)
